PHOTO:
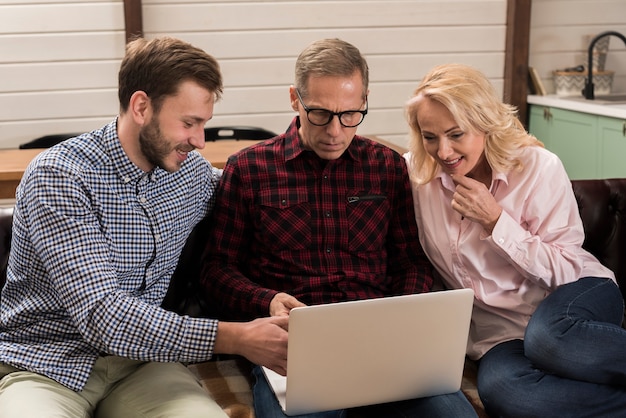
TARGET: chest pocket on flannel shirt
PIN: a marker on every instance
(284, 221)
(368, 220)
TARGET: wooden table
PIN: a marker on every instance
(13, 162)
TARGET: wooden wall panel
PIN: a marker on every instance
(75, 104)
(37, 76)
(58, 66)
(58, 70)
(35, 48)
(61, 17)
(257, 44)
(59, 58)
(276, 16)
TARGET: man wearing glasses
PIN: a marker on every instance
(318, 215)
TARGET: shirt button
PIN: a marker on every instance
(143, 199)
(283, 202)
(126, 179)
(328, 214)
(500, 240)
(328, 250)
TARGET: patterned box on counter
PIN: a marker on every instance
(572, 83)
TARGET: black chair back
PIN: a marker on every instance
(237, 132)
(47, 141)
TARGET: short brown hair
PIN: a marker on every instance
(330, 57)
(158, 66)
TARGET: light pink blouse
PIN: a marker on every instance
(535, 245)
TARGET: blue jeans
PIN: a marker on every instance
(572, 362)
(452, 405)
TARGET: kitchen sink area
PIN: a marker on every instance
(610, 98)
(603, 99)
(611, 105)
(595, 97)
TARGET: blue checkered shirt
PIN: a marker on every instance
(95, 243)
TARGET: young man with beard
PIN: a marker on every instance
(99, 223)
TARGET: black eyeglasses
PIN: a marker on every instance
(321, 117)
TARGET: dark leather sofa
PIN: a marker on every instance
(602, 205)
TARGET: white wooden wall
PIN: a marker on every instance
(561, 30)
(58, 66)
(59, 59)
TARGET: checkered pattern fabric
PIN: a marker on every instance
(95, 242)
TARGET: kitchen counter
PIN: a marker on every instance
(580, 104)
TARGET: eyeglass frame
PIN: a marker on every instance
(333, 114)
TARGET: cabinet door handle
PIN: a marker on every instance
(547, 115)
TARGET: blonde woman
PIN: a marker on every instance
(496, 213)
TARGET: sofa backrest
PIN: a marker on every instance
(602, 206)
(6, 222)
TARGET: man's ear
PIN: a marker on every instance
(140, 107)
(293, 98)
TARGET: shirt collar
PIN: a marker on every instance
(293, 145)
(294, 148)
(126, 169)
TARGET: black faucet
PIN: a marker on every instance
(588, 90)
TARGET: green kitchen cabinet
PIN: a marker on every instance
(540, 123)
(612, 143)
(590, 146)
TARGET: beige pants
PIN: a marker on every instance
(117, 388)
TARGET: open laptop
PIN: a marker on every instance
(366, 352)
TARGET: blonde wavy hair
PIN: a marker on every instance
(475, 106)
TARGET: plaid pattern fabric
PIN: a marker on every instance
(230, 383)
(322, 231)
(95, 243)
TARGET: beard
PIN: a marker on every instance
(154, 146)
